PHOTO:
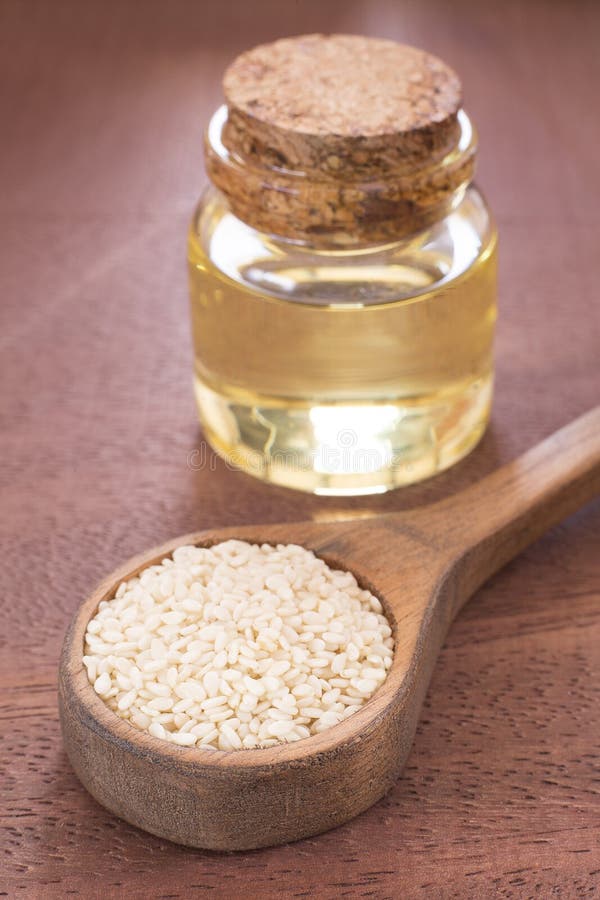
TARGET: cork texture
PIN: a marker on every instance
(341, 104)
(340, 138)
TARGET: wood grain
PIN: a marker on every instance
(423, 565)
(101, 456)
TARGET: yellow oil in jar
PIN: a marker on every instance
(343, 372)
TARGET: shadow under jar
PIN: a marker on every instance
(342, 268)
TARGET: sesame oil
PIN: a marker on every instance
(343, 372)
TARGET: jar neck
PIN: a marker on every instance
(327, 212)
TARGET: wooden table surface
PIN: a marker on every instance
(103, 106)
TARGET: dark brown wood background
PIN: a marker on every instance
(102, 110)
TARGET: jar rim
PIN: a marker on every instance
(301, 206)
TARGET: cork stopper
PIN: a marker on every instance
(341, 105)
(361, 122)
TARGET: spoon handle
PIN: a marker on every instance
(489, 523)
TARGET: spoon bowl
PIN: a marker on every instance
(423, 565)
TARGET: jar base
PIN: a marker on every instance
(344, 449)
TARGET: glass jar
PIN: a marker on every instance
(343, 300)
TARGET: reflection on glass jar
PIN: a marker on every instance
(343, 322)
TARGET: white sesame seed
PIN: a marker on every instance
(280, 728)
(126, 700)
(157, 730)
(364, 686)
(211, 682)
(161, 703)
(238, 646)
(183, 738)
(219, 715)
(233, 738)
(159, 689)
(102, 684)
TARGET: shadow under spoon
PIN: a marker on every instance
(423, 565)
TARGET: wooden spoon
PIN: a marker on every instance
(423, 564)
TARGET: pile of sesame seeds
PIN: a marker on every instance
(238, 646)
